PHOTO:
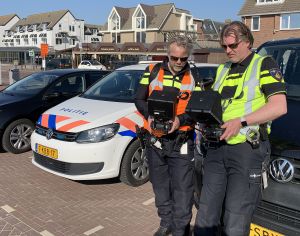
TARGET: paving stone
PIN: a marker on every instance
(45, 202)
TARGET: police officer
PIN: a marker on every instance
(253, 94)
(171, 166)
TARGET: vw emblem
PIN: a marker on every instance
(49, 133)
(282, 170)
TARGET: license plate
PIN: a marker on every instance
(46, 151)
(256, 230)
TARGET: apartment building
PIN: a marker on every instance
(142, 32)
(58, 29)
(6, 22)
(92, 33)
(271, 19)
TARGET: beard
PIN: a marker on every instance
(177, 68)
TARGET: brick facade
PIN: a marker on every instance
(270, 13)
(270, 30)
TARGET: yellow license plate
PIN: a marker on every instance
(46, 151)
(256, 230)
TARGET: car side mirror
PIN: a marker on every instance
(51, 96)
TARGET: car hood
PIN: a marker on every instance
(6, 99)
(78, 114)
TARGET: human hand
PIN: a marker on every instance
(150, 120)
(175, 125)
(232, 128)
(156, 133)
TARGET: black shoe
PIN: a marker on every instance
(162, 231)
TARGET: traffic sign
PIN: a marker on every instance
(44, 49)
(31, 53)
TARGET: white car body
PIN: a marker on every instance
(78, 115)
(91, 64)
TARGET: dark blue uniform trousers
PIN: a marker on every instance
(171, 175)
(232, 176)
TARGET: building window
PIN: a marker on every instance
(17, 41)
(140, 20)
(71, 28)
(44, 40)
(140, 37)
(290, 21)
(58, 41)
(116, 38)
(188, 23)
(268, 1)
(72, 41)
(115, 22)
(255, 25)
(34, 41)
(26, 41)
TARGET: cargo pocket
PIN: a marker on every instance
(255, 185)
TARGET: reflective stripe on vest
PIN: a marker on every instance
(248, 86)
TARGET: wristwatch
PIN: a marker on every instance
(244, 122)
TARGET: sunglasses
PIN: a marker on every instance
(231, 46)
(182, 59)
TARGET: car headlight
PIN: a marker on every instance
(98, 134)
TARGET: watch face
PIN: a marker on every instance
(244, 123)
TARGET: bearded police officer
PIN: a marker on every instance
(171, 163)
(253, 94)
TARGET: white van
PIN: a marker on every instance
(92, 136)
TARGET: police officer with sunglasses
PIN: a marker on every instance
(171, 162)
(253, 94)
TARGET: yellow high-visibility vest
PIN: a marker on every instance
(248, 96)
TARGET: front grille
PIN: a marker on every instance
(276, 213)
(68, 168)
(296, 164)
(59, 135)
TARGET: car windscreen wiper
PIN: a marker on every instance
(8, 93)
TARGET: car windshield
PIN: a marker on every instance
(205, 72)
(95, 63)
(31, 85)
(120, 86)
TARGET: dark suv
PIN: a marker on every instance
(58, 63)
(279, 209)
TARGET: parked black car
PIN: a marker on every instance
(22, 102)
(58, 63)
(279, 209)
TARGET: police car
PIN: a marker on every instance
(92, 136)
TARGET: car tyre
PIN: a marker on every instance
(16, 137)
(134, 168)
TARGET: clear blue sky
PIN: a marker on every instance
(97, 11)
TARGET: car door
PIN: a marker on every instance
(65, 88)
(285, 130)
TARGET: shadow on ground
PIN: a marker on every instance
(99, 181)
